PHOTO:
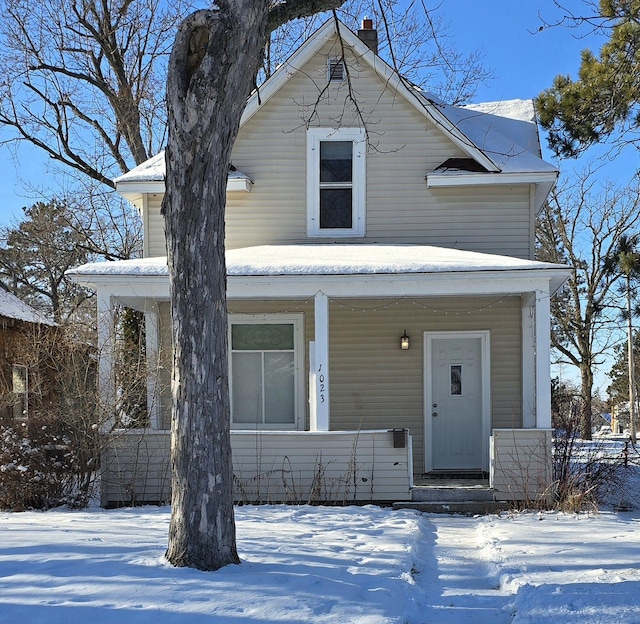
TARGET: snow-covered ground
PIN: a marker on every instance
(325, 564)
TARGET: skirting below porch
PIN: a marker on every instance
(269, 466)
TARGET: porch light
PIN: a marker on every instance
(404, 341)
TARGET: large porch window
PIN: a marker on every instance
(265, 371)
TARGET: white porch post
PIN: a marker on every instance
(106, 345)
(321, 376)
(543, 358)
(151, 330)
(528, 362)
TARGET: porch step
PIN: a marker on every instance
(451, 494)
(470, 508)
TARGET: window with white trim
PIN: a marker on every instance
(266, 371)
(20, 387)
(336, 184)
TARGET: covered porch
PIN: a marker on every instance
(355, 303)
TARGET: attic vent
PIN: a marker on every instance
(335, 70)
(461, 164)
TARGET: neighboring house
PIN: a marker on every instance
(21, 382)
(386, 315)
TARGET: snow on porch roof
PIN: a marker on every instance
(273, 260)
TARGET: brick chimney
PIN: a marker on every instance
(369, 35)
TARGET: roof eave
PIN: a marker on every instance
(543, 181)
(355, 285)
(131, 190)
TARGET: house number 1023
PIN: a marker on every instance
(321, 385)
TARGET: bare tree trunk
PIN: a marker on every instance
(211, 73)
(632, 374)
(586, 409)
(212, 69)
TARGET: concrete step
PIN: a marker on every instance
(469, 508)
(445, 494)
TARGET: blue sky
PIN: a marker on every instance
(523, 60)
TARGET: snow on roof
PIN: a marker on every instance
(14, 308)
(151, 170)
(154, 170)
(519, 110)
(271, 260)
(506, 132)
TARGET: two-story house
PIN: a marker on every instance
(386, 315)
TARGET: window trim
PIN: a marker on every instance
(297, 320)
(20, 396)
(314, 137)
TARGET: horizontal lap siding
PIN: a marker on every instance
(521, 464)
(373, 384)
(155, 242)
(135, 468)
(303, 467)
(268, 467)
(404, 146)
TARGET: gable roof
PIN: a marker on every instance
(13, 308)
(502, 137)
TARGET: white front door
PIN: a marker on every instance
(456, 401)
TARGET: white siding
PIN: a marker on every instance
(155, 244)
(269, 467)
(404, 146)
(521, 464)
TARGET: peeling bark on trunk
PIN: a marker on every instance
(212, 69)
(211, 73)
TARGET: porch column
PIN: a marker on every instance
(151, 332)
(321, 372)
(528, 361)
(106, 345)
(543, 358)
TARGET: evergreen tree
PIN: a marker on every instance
(605, 97)
(618, 390)
(35, 256)
(624, 263)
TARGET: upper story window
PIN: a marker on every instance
(336, 185)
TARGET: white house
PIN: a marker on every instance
(386, 315)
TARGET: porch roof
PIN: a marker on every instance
(331, 260)
(297, 268)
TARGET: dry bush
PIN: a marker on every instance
(49, 455)
(585, 471)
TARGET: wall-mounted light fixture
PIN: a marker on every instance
(404, 341)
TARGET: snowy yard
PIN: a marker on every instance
(324, 564)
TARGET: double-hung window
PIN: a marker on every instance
(336, 185)
(265, 354)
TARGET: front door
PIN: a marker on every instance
(456, 409)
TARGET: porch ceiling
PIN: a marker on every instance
(356, 270)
